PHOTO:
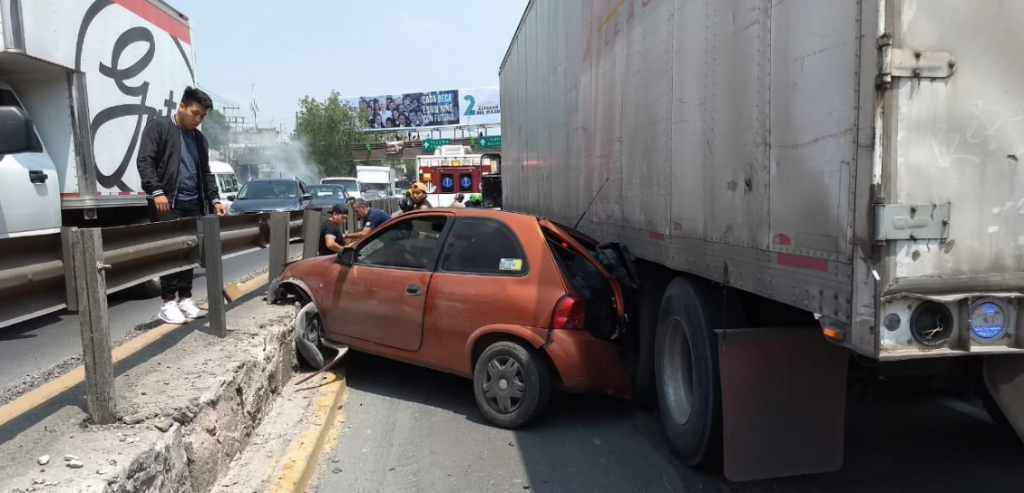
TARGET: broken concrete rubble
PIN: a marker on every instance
(176, 438)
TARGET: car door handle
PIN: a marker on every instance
(413, 290)
(37, 176)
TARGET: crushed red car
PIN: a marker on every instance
(517, 303)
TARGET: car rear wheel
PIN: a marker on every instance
(511, 383)
(686, 366)
(308, 330)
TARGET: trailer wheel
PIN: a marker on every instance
(686, 366)
(641, 341)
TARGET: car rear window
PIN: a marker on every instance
(484, 246)
(590, 285)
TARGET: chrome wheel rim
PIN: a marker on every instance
(677, 372)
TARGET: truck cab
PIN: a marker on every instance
(29, 190)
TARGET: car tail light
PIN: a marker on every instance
(570, 313)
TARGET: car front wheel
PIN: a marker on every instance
(308, 330)
(512, 384)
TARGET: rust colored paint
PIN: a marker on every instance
(587, 363)
(368, 308)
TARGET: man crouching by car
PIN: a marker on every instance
(174, 164)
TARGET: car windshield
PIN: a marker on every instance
(348, 183)
(327, 192)
(262, 190)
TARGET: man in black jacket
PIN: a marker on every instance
(174, 164)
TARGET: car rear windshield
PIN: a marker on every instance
(589, 284)
(257, 190)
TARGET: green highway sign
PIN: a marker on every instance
(490, 141)
(430, 145)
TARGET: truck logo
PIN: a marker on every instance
(120, 75)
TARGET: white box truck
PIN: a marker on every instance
(376, 182)
(79, 80)
(853, 167)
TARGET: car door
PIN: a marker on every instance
(385, 290)
(29, 190)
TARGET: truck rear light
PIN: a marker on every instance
(570, 313)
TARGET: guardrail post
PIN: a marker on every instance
(279, 234)
(351, 220)
(91, 289)
(214, 275)
(71, 291)
(311, 221)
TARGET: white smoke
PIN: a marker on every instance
(288, 160)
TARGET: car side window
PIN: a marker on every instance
(405, 245)
(484, 246)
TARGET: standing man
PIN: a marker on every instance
(416, 199)
(331, 238)
(174, 164)
(372, 216)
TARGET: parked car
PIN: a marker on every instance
(270, 195)
(514, 302)
(328, 195)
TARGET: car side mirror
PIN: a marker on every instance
(350, 200)
(231, 197)
(16, 134)
(347, 256)
(307, 196)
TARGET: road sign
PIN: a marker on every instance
(490, 141)
(429, 145)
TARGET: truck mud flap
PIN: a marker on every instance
(783, 402)
(1004, 378)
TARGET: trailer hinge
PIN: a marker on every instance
(911, 222)
(907, 62)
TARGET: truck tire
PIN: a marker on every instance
(525, 377)
(686, 366)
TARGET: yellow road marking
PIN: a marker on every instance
(610, 15)
(55, 387)
(303, 455)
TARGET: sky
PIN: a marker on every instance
(356, 47)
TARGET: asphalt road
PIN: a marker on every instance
(412, 429)
(36, 345)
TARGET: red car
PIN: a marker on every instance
(517, 303)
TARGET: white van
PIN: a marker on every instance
(352, 185)
(227, 182)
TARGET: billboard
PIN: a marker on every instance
(478, 106)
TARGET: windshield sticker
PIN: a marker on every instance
(515, 264)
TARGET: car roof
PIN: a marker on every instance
(273, 180)
(509, 217)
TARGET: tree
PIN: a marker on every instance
(329, 129)
(216, 129)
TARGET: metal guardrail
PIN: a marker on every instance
(37, 272)
(77, 268)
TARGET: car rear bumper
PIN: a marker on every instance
(587, 363)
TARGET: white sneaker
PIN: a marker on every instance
(170, 313)
(189, 308)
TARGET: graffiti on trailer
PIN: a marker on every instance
(120, 75)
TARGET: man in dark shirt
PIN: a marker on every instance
(372, 217)
(331, 238)
(174, 165)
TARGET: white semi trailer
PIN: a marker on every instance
(851, 167)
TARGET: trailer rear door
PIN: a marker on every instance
(958, 140)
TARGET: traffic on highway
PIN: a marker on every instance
(634, 245)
